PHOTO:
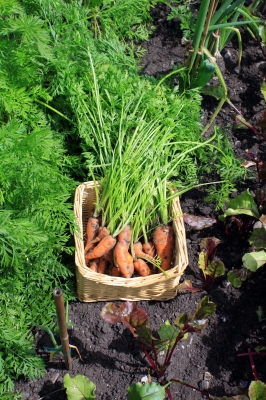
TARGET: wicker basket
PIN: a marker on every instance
(92, 286)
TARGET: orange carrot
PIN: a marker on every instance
(114, 271)
(140, 253)
(149, 249)
(141, 267)
(163, 239)
(103, 231)
(125, 234)
(102, 265)
(123, 259)
(94, 265)
(91, 232)
(109, 255)
(107, 243)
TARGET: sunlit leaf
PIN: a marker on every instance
(254, 260)
(147, 391)
(111, 313)
(242, 204)
(181, 320)
(138, 317)
(241, 123)
(187, 286)
(205, 308)
(168, 333)
(79, 388)
(257, 390)
(215, 269)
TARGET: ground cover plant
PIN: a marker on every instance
(69, 81)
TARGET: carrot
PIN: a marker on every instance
(123, 259)
(114, 271)
(141, 267)
(107, 243)
(91, 232)
(102, 265)
(149, 249)
(103, 231)
(109, 255)
(140, 253)
(125, 234)
(163, 239)
(94, 265)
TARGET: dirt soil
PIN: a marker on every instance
(112, 358)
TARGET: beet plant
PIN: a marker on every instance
(165, 340)
(247, 213)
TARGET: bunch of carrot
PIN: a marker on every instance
(135, 195)
(121, 257)
(134, 168)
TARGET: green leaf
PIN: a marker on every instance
(237, 277)
(205, 309)
(242, 204)
(257, 390)
(79, 388)
(215, 269)
(148, 391)
(214, 91)
(241, 123)
(168, 333)
(263, 90)
(254, 260)
(181, 320)
(258, 238)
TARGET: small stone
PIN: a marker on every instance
(207, 376)
(227, 54)
(54, 378)
(25, 395)
(204, 385)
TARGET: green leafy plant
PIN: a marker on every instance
(166, 338)
(181, 9)
(215, 25)
(79, 388)
(244, 210)
(211, 267)
(149, 391)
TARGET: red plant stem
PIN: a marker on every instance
(255, 353)
(169, 354)
(192, 387)
(254, 130)
(154, 367)
(169, 393)
(254, 372)
(155, 355)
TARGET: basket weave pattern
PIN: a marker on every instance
(92, 286)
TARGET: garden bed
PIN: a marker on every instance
(112, 358)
